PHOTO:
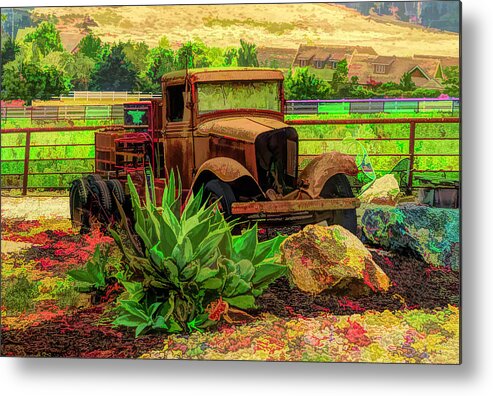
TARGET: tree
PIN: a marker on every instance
(90, 46)
(340, 82)
(407, 83)
(164, 43)
(159, 61)
(230, 57)
(79, 68)
(195, 52)
(46, 38)
(137, 53)
(28, 81)
(304, 85)
(10, 49)
(114, 73)
(247, 54)
(452, 82)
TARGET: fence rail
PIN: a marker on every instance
(25, 147)
(293, 107)
(411, 139)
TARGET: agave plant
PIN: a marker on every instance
(189, 261)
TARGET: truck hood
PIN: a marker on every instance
(240, 128)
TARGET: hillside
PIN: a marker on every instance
(268, 25)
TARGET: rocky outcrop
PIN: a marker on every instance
(430, 233)
(320, 258)
(383, 191)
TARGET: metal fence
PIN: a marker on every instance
(411, 139)
(293, 107)
(29, 152)
(106, 95)
(372, 106)
(61, 113)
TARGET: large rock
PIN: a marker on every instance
(431, 233)
(383, 191)
(321, 257)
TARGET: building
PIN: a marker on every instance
(327, 57)
(426, 71)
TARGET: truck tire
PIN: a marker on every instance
(116, 189)
(79, 208)
(100, 188)
(215, 190)
(338, 187)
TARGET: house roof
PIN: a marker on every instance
(363, 68)
(383, 60)
(333, 52)
(445, 61)
(283, 56)
(70, 40)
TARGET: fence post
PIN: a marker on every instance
(412, 136)
(26, 162)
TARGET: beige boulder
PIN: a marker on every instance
(383, 191)
(319, 258)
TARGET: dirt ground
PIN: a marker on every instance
(34, 207)
(417, 321)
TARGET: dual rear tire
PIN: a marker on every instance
(93, 200)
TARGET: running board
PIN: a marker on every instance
(293, 206)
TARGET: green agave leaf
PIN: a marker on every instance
(167, 237)
(212, 284)
(244, 245)
(267, 249)
(206, 273)
(242, 287)
(127, 320)
(135, 290)
(182, 253)
(210, 259)
(172, 270)
(134, 308)
(157, 256)
(159, 323)
(245, 269)
(242, 302)
(267, 273)
(140, 328)
(189, 271)
(81, 276)
(230, 284)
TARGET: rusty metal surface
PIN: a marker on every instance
(293, 206)
(225, 74)
(226, 169)
(322, 168)
(246, 129)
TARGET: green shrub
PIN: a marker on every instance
(94, 276)
(189, 268)
(18, 295)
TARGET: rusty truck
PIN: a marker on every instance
(222, 130)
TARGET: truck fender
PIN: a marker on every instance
(314, 176)
(229, 171)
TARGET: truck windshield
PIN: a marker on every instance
(262, 95)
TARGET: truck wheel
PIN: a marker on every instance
(100, 188)
(116, 189)
(79, 209)
(217, 190)
(338, 187)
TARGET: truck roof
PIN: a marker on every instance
(225, 74)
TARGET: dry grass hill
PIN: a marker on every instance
(268, 25)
